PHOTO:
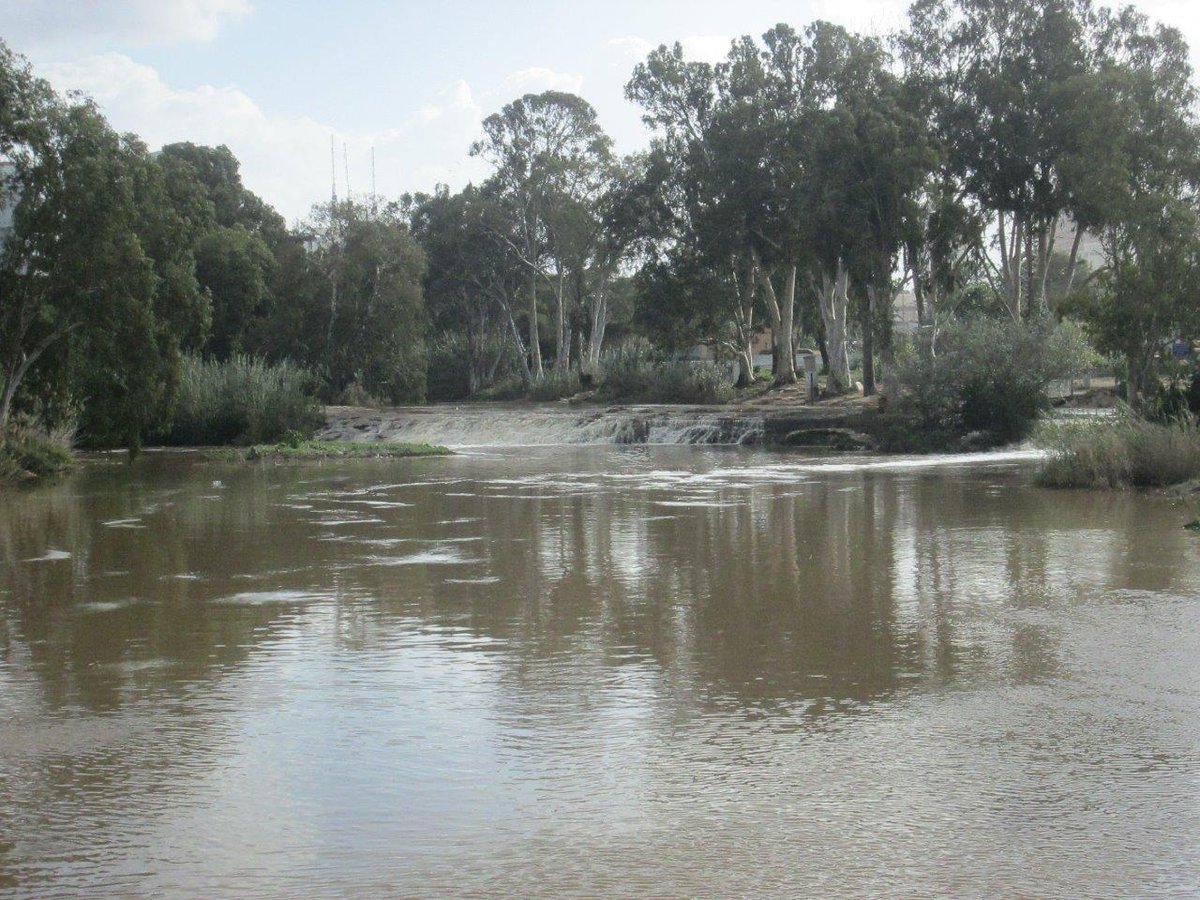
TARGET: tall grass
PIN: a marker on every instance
(1124, 451)
(554, 385)
(635, 373)
(242, 401)
(27, 449)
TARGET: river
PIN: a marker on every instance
(596, 671)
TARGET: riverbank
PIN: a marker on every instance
(28, 456)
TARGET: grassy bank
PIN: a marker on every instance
(28, 454)
(1119, 452)
(322, 450)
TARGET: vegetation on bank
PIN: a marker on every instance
(29, 453)
(983, 384)
(300, 450)
(1117, 452)
(241, 401)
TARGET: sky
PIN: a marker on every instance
(413, 79)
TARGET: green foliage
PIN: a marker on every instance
(555, 385)
(1120, 451)
(987, 376)
(234, 266)
(506, 389)
(29, 450)
(635, 374)
(359, 303)
(241, 401)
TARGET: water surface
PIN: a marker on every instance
(601, 671)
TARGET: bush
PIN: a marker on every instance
(555, 386)
(512, 388)
(242, 401)
(27, 449)
(1120, 452)
(635, 374)
(449, 375)
(354, 394)
(988, 376)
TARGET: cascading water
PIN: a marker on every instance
(515, 426)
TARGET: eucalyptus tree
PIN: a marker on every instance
(360, 276)
(97, 275)
(829, 159)
(472, 279)
(700, 261)
(1141, 193)
(550, 155)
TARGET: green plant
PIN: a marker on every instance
(242, 401)
(1120, 451)
(988, 376)
(635, 373)
(555, 386)
(27, 449)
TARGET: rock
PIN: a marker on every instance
(842, 439)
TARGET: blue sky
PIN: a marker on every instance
(274, 80)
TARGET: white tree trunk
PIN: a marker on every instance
(834, 296)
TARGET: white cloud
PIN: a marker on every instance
(631, 49)
(60, 24)
(285, 160)
(710, 48)
(535, 80)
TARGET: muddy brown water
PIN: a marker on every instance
(602, 671)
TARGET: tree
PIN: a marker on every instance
(699, 254)
(549, 153)
(235, 266)
(85, 301)
(361, 279)
(472, 279)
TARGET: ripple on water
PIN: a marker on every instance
(258, 598)
(50, 556)
(438, 556)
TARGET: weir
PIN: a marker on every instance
(500, 426)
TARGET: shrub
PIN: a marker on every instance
(1119, 452)
(555, 386)
(28, 449)
(634, 373)
(512, 388)
(988, 376)
(242, 401)
(354, 394)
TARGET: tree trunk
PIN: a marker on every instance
(867, 322)
(1073, 263)
(535, 347)
(782, 316)
(835, 299)
(745, 363)
(788, 347)
(598, 324)
(1133, 384)
(562, 338)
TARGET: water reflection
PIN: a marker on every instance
(595, 671)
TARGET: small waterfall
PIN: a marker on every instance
(489, 426)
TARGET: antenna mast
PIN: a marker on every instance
(346, 163)
(332, 172)
(374, 198)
